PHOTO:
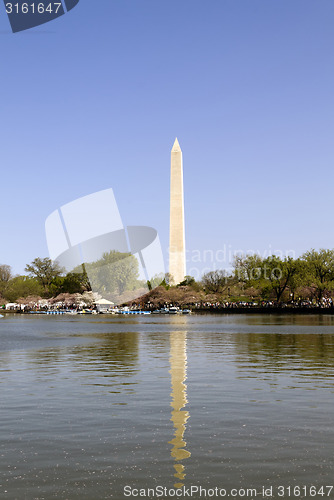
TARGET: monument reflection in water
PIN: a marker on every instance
(178, 371)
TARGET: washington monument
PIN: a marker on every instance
(177, 253)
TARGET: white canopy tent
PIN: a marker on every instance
(103, 304)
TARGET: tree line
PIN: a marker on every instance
(44, 278)
(309, 277)
(114, 272)
(252, 278)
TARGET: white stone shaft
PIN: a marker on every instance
(177, 253)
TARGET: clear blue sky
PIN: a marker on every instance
(96, 98)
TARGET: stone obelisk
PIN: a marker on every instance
(177, 254)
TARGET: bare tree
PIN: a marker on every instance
(215, 281)
(5, 273)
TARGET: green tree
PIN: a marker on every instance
(319, 270)
(272, 275)
(22, 286)
(248, 270)
(278, 274)
(113, 274)
(155, 281)
(74, 282)
(188, 281)
(45, 271)
(167, 281)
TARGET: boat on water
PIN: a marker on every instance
(186, 311)
(164, 310)
(171, 310)
(174, 310)
(133, 311)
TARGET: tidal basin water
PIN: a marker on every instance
(93, 405)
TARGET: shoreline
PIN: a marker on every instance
(230, 310)
(266, 310)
